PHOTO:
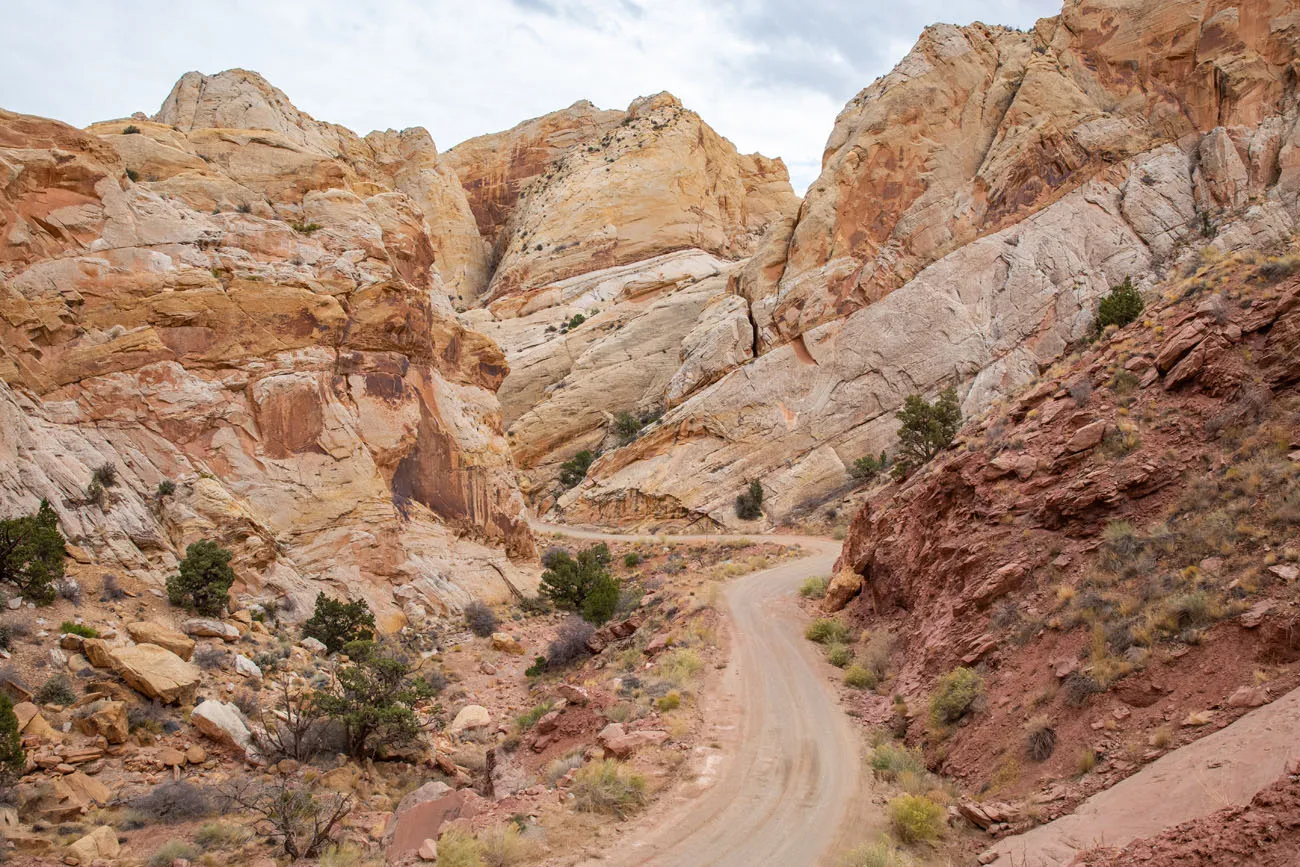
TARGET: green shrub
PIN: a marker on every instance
(219, 835)
(827, 630)
(860, 677)
(574, 470)
(56, 690)
(165, 488)
(631, 559)
(130, 129)
(528, 719)
(749, 505)
(954, 695)
(105, 474)
(882, 853)
(373, 696)
(627, 427)
(582, 584)
(203, 579)
(915, 818)
(574, 322)
(67, 627)
(505, 846)
(31, 554)
(839, 655)
(13, 761)
(866, 468)
(336, 623)
(680, 666)
(671, 701)
(815, 587)
(305, 228)
(1122, 305)
(890, 760)
(608, 787)
(926, 428)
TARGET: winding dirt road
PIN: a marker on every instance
(782, 787)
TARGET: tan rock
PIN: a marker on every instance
(99, 843)
(843, 587)
(155, 673)
(171, 757)
(1087, 437)
(507, 644)
(146, 632)
(471, 716)
(105, 718)
(196, 755)
(224, 723)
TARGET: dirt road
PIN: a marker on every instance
(779, 789)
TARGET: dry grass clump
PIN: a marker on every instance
(1040, 739)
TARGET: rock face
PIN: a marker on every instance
(974, 205)
(258, 307)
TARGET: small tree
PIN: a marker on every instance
(574, 470)
(203, 579)
(1122, 305)
(336, 623)
(294, 728)
(13, 761)
(927, 428)
(868, 467)
(583, 584)
(300, 821)
(627, 427)
(31, 554)
(749, 505)
(374, 695)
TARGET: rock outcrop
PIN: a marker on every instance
(257, 312)
(974, 205)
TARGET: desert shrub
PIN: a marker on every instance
(1122, 305)
(457, 848)
(749, 505)
(877, 651)
(31, 554)
(608, 787)
(13, 760)
(574, 470)
(815, 587)
(112, 588)
(860, 677)
(1081, 391)
(926, 428)
(165, 488)
(210, 657)
(104, 474)
(203, 579)
(298, 820)
(344, 855)
(373, 696)
(148, 716)
(171, 851)
(529, 718)
(915, 818)
(576, 320)
(890, 760)
(954, 694)
(839, 655)
(670, 701)
(335, 623)
(244, 208)
(130, 129)
(1086, 760)
(6, 636)
(480, 618)
(869, 467)
(582, 584)
(627, 427)
(219, 835)
(557, 768)
(1040, 739)
(570, 642)
(171, 803)
(680, 666)
(632, 559)
(67, 627)
(56, 690)
(305, 228)
(505, 846)
(1078, 688)
(293, 725)
(827, 630)
(882, 853)
(69, 589)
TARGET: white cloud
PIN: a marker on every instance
(768, 74)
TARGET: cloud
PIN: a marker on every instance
(769, 74)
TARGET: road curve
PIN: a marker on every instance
(779, 790)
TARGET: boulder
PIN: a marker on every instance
(313, 646)
(428, 850)
(247, 668)
(148, 632)
(507, 644)
(99, 843)
(202, 627)
(155, 672)
(471, 716)
(225, 724)
(843, 587)
(573, 694)
(105, 718)
(1248, 696)
(1087, 437)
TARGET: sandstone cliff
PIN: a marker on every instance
(974, 205)
(252, 304)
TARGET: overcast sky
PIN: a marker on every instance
(769, 74)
